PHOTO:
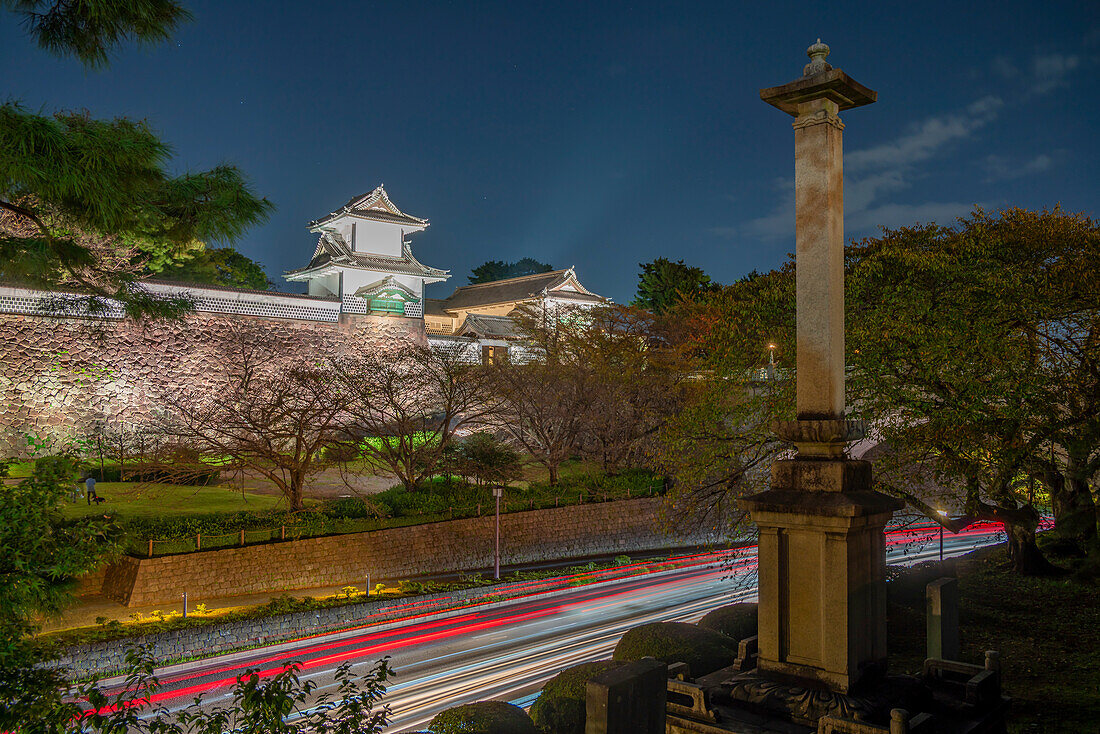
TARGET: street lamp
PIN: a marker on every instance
(943, 513)
(498, 492)
(771, 359)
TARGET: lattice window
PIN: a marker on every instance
(414, 310)
(45, 304)
(355, 304)
(307, 311)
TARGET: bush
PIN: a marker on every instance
(483, 717)
(736, 621)
(705, 651)
(341, 453)
(351, 508)
(560, 709)
(635, 482)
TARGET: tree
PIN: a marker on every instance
(91, 202)
(492, 270)
(976, 348)
(222, 266)
(663, 283)
(720, 445)
(269, 416)
(600, 385)
(42, 557)
(405, 405)
(489, 461)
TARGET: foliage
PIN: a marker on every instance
(86, 204)
(222, 266)
(976, 347)
(499, 270)
(489, 461)
(663, 284)
(720, 445)
(736, 621)
(705, 651)
(560, 708)
(483, 717)
(42, 556)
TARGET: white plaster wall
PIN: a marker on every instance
(328, 285)
(374, 237)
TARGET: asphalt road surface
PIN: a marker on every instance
(508, 651)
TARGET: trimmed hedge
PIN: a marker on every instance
(483, 717)
(560, 709)
(737, 621)
(705, 651)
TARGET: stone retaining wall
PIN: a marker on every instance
(63, 377)
(455, 545)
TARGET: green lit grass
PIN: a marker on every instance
(126, 500)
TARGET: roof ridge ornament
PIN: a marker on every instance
(817, 53)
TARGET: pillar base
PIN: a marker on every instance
(822, 612)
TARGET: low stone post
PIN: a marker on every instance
(628, 700)
(942, 596)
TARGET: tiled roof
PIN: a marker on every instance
(523, 288)
(434, 307)
(374, 205)
(491, 327)
(332, 249)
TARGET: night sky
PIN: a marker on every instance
(602, 135)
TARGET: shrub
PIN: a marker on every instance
(737, 621)
(560, 709)
(705, 651)
(341, 453)
(351, 508)
(483, 717)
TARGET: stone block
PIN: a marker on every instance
(628, 700)
(942, 619)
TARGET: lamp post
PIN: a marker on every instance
(771, 360)
(498, 492)
(943, 513)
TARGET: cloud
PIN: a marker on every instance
(923, 140)
(1001, 168)
(1048, 72)
(874, 173)
(1043, 73)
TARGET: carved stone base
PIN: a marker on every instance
(798, 703)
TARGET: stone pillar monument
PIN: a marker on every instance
(822, 611)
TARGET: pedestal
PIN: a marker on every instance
(821, 560)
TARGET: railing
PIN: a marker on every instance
(150, 547)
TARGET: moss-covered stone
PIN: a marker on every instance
(705, 651)
(483, 717)
(737, 620)
(560, 709)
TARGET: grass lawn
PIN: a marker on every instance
(1046, 629)
(138, 499)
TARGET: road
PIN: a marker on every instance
(507, 652)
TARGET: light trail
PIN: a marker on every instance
(507, 652)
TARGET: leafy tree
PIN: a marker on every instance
(42, 557)
(663, 283)
(492, 270)
(720, 446)
(91, 202)
(487, 460)
(217, 266)
(976, 347)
